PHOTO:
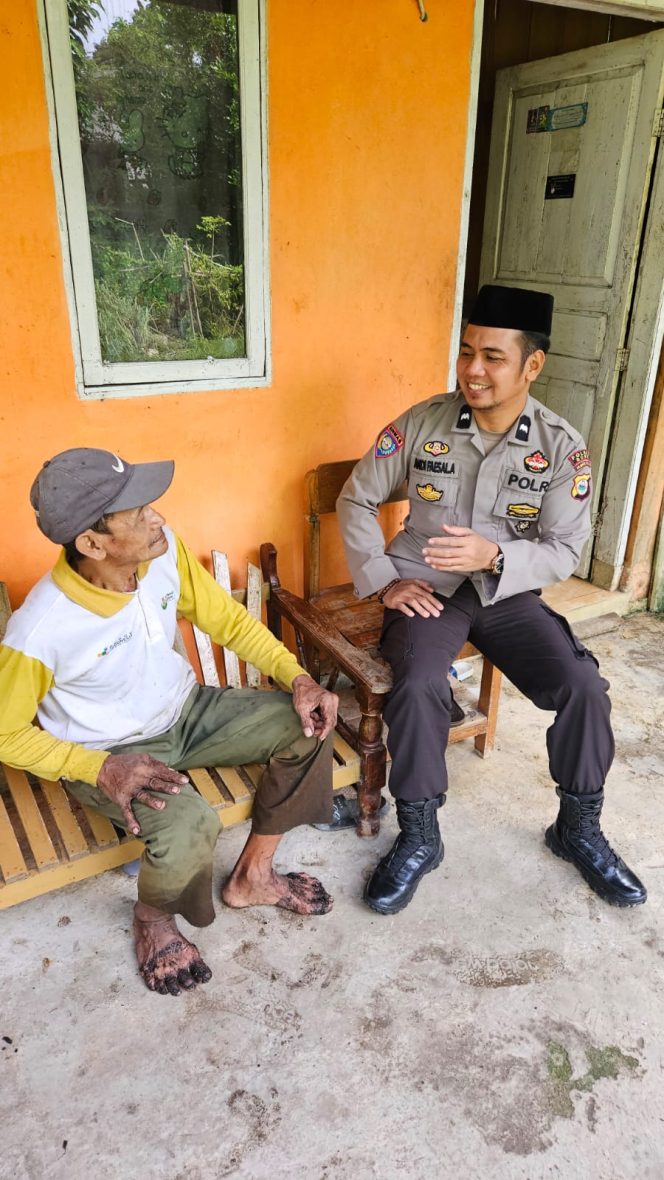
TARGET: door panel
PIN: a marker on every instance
(576, 235)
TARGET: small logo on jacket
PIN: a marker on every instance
(428, 492)
(536, 462)
(106, 651)
(581, 486)
(579, 459)
(167, 598)
(435, 446)
(389, 442)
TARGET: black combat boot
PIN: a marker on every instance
(577, 836)
(416, 851)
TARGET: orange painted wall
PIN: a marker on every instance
(367, 126)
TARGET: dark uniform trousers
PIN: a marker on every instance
(534, 647)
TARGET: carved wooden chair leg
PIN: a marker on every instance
(372, 768)
(488, 704)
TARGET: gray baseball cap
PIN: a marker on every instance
(76, 487)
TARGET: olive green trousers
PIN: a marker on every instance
(220, 727)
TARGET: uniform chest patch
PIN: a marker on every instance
(523, 511)
(579, 459)
(522, 526)
(581, 486)
(435, 447)
(388, 443)
(426, 491)
(536, 462)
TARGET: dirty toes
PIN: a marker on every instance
(304, 895)
(174, 968)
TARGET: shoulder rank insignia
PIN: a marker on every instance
(426, 491)
(435, 447)
(523, 429)
(388, 443)
(523, 511)
(579, 459)
(536, 462)
(581, 486)
(464, 419)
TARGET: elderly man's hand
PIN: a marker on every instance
(125, 777)
(315, 706)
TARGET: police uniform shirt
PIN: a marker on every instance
(530, 494)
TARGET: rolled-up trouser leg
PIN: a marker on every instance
(235, 726)
(176, 868)
(418, 708)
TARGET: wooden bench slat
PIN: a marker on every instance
(206, 656)
(59, 806)
(12, 863)
(255, 772)
(206, 787)
(39, 840)
(344, 751)
(254, 584)
(102, 829)
(234, 783)
(223, 577)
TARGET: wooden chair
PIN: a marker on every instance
(339, 633)
(48, 840)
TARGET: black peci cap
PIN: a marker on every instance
(513, 307)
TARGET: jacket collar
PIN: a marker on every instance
(519, 433)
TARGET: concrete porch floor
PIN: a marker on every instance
(507, 1025)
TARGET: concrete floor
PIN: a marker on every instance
(506, 1025)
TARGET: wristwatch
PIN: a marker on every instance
(496, 567)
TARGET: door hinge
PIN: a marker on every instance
(658, 123)
(622, 357)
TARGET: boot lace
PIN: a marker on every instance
(591, 832)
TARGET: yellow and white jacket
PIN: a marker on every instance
(97, 668)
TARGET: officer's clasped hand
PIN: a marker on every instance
(413, 597)
(461, 551)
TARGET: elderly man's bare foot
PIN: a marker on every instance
(167, 961)
(289, 891)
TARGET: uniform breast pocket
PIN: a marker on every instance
(518, 512)
(433, 500)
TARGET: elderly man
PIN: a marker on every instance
(120, 714)
(499, 490)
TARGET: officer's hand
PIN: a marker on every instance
(125, 777)
(413, 597)
(461, 550)
(315, 706)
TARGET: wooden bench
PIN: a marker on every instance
(47, 839)
(337, 633)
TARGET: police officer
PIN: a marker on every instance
(499, 505)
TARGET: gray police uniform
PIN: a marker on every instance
(531, 495)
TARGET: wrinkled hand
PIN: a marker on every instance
(315, 706)
(462, 550)
(125, 777)
(412, 596)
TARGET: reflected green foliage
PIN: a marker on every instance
(159, 120)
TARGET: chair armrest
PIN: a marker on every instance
(361, 668)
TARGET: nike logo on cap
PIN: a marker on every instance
(120, 464)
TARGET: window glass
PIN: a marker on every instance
(158, 100)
